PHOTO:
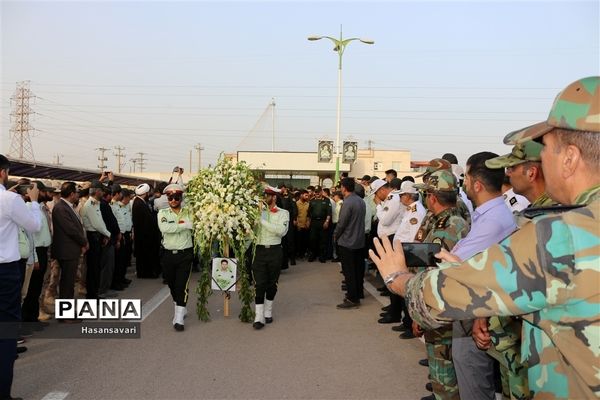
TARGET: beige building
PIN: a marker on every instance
(303, 168)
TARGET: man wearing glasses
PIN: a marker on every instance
(175, 224)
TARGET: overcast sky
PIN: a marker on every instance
(160, 77)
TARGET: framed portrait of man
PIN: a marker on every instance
(325, 151)
(349, 150)
(224, 274)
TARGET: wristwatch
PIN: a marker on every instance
(390, 278)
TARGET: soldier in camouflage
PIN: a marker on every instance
(501, 336)
(446, 227)
(438, 164)
(547, 272)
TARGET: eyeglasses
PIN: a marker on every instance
(174, 196)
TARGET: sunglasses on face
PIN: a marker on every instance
(174, 196)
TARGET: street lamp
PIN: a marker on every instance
(340, 46)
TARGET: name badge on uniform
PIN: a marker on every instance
(413, 221)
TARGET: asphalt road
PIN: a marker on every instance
(311, 351)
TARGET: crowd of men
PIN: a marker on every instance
(76, 240)
(516, 311)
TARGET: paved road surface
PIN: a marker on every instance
(311, 351)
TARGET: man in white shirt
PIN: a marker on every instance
(13, 214)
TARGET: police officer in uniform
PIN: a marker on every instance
(274, 223)
(319, 213)
(175, 224)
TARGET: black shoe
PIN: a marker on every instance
(399, 328)
(430, 397)
(268, 320)
(385, 293)
(292, 262)
(382, 289)
(322, 260)
(407, 335)
(361, 296)
(258, 325)
(178, 327)
(117, 287)
(344, 287)
(311, 259)
(126, 281)
(388, 319)
(21, 340)
(386, 308)
(347, 304)
(337, 259)
(429, 387)
(424, 363)
(165, 282)
(283, 267)
(21, 349)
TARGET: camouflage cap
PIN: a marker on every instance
(435, 165)
(440, 181)
(521, 152)
(576, 108)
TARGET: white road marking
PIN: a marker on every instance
(55, 396)
(375, 293)
(155, 302)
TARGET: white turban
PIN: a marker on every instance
(142, 189)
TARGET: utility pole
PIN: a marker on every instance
(190, 162)
(134, 162)
(102, 159)
(20, 143)
(369, 144)
(141, 160)
(57, 159)
(273, 124)
(199, 148)
(119, 156)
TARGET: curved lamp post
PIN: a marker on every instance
(339, 47)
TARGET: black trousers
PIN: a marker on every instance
(353, 268)
(177, 268)
(93, 262)
(31, 305)
(289, 249)
(68, 273)
(301, 242)
(266, 269)
(10, 311)
(118, 276)
(318, 239)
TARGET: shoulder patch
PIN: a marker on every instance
(413, 221)
(163, 219)
(513, 201)
(441, 224)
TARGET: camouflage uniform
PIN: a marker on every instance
(445, 228)
(505, 332)
(547, 272)
(439, 164)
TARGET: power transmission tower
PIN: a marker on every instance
(199, 149)
(57, 159)
(119, 156)
(141, 161)
(20, 143)
(102, 159)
